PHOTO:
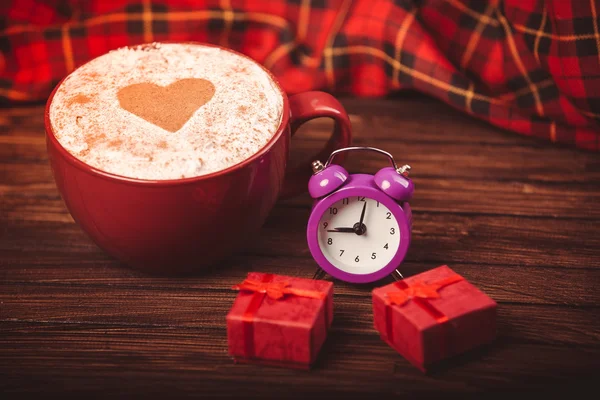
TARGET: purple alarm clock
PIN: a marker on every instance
(360, 225)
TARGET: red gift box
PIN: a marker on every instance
(279, 320)
(433, 316)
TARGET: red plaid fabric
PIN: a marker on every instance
(530, 66)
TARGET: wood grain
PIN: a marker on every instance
(516, 216)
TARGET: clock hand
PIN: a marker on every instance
(359, 227)
(342, 230)
(362, 214)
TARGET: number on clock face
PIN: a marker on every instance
(358, 254)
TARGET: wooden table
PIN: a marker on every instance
(517, 217)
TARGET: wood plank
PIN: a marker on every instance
(535, 285)
(128, 361)
(417, 118)
(458, 195)
(423, 119)
(469, 160)
(25, 121)
(440, 195)
(437, 238)
(457, 238)
(23, 152)
(428, 159)
(179, 308)
(442, 238)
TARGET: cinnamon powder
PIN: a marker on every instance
(168, 107)
(78, 99)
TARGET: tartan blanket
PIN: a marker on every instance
(529, 66)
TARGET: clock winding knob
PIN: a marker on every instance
(404, 170)
(317, 166)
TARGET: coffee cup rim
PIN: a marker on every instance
(74, 161)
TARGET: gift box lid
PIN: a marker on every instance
(454, 301)
(296, 310)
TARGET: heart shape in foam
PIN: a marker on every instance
(168, 107)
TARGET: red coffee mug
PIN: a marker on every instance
(187, 224)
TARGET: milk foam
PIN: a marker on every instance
(243, 114)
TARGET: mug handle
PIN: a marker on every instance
(304, 107)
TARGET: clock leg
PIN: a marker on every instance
(397, 275)
(319, 273)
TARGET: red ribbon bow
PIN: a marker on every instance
(419, 292)
(274, 290)
(419, 289)
(277, 290)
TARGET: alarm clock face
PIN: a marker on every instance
(358, 248)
